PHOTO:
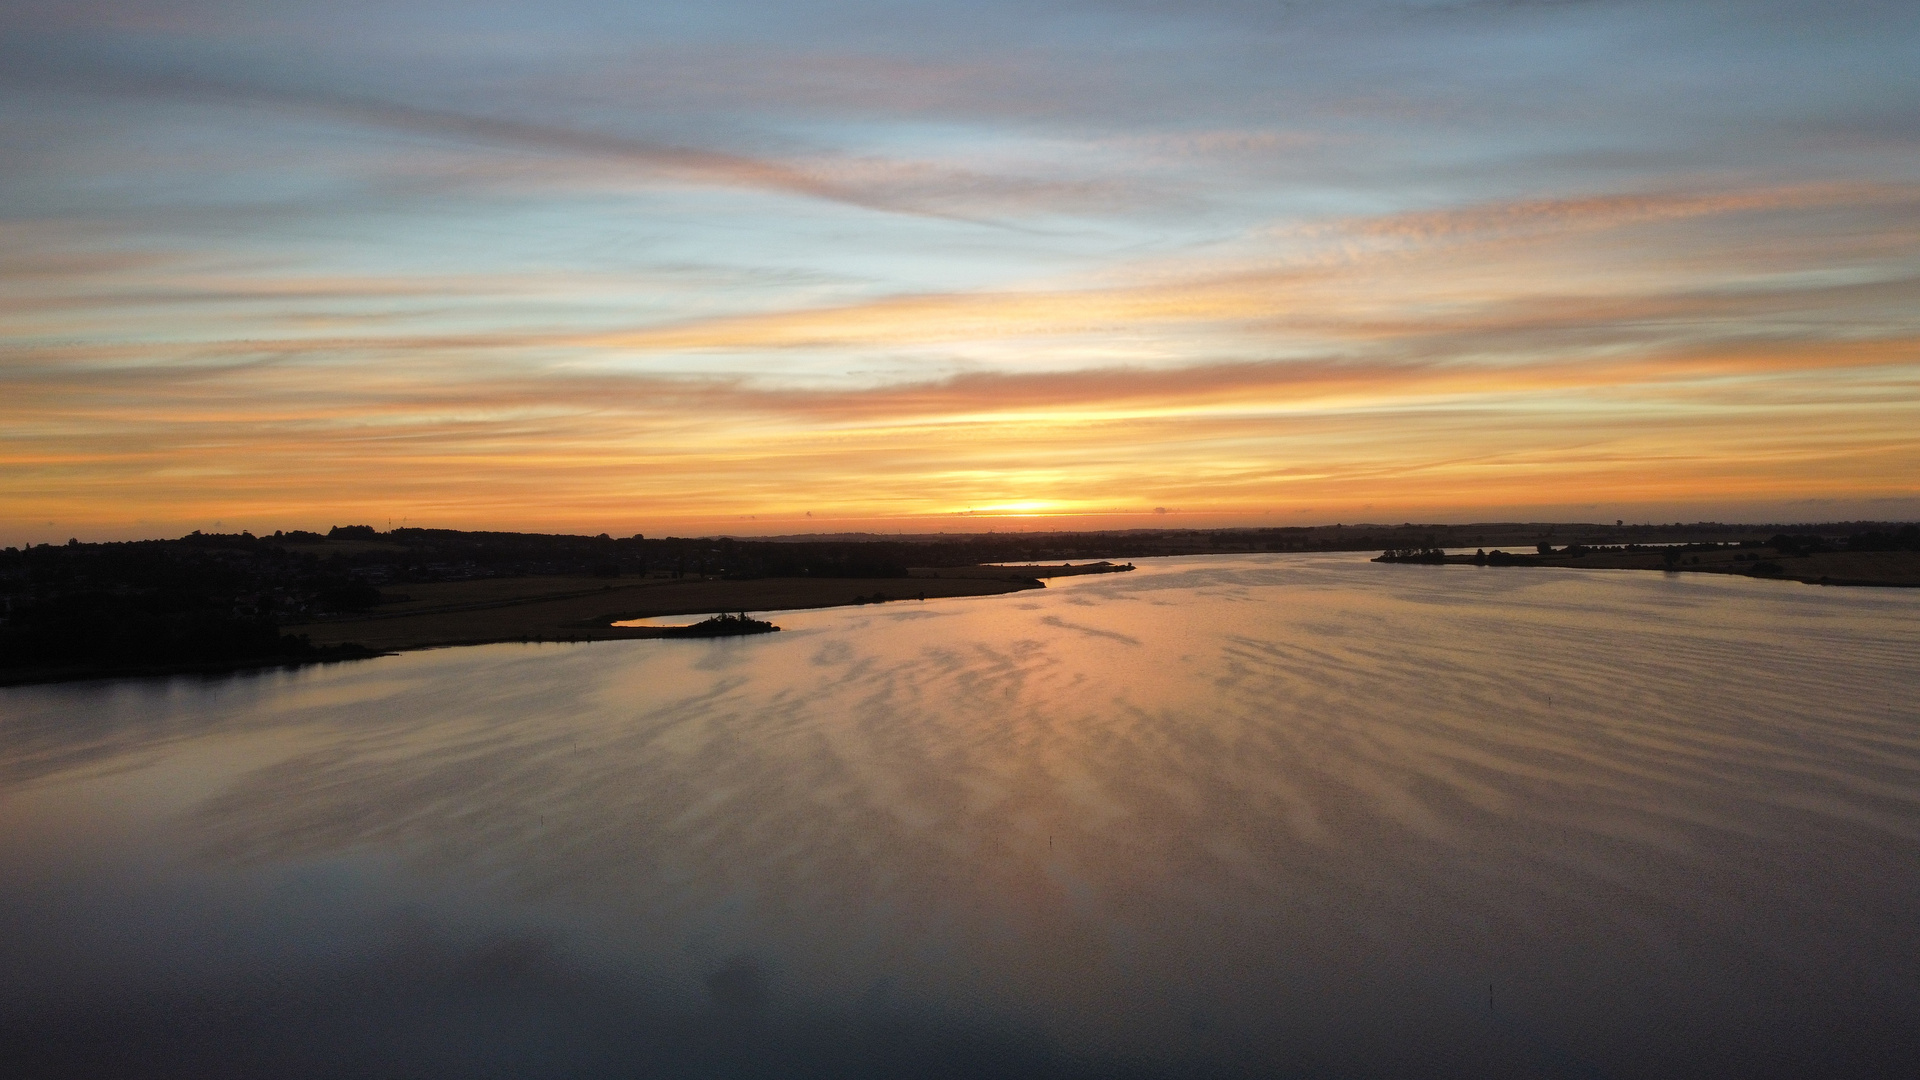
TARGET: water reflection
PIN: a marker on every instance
(670, 620)
(1271, 815)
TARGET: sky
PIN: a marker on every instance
(834, 265)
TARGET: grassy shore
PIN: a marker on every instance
(584, 608)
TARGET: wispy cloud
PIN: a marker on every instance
(1249, 259)
(869, 182)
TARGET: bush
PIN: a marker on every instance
(1905, 539)
(1419, 555)
(1798, 545)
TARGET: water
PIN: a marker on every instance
(669, 620)
(1274, 815)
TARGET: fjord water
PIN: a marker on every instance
(1272, 815)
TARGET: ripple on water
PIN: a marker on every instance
(1229, 815)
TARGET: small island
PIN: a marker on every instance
(721, 625)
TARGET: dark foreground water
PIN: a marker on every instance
(1273, 816)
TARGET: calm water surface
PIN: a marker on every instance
(1274, 815)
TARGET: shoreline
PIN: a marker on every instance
(536, 610)
(1851, 569)
(574, 616)
(574, 610)
(211, 669)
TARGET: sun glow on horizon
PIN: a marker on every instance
(682, 279)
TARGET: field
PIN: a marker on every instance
(582, 608)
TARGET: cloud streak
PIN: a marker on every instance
(869, 183)
(1253, 262)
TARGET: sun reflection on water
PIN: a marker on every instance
(1234, 815)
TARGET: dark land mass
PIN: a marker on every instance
(564, 608)
(533, 609)
(218, 602)
(1887, 557)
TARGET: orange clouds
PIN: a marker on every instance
(632, 449)
(1497, 356)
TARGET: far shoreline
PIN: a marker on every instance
(1764, 562)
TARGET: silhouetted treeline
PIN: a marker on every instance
(1903, 539)
(108, 633)
(201, 600)
(1413, 555)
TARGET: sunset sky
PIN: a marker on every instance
(762, 268)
